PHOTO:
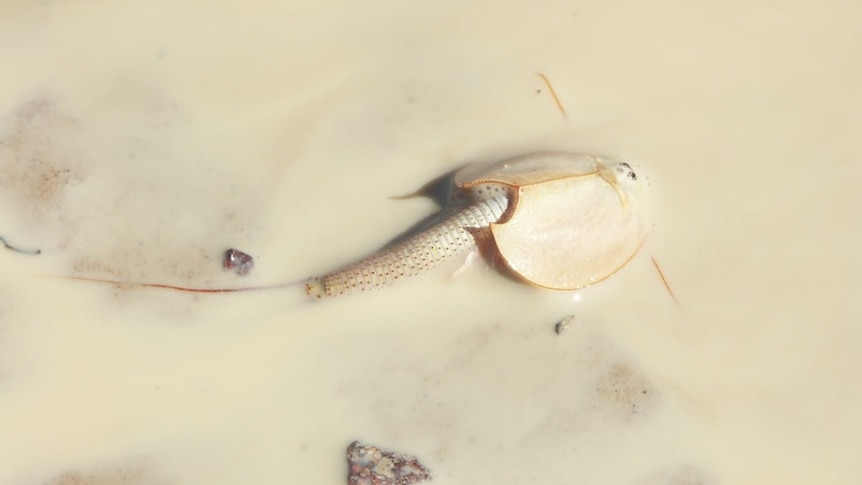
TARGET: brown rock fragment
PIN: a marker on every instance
(370, 465)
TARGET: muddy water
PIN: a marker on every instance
(139, 142)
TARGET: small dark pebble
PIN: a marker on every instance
(238, 262)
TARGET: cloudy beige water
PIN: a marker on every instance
(139, 141)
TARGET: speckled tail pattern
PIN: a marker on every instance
(419, 253)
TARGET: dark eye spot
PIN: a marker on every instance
(630, 173)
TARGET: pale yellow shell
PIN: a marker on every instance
(574, 219)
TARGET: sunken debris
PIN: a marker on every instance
(238, 262)
(370, 465)
(564, 324)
